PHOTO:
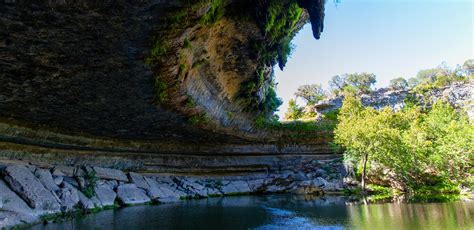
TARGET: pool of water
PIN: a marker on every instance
(278, 212)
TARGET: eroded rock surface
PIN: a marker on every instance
(131, 194)
(24, 183)
(309, 176)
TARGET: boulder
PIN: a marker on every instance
(256, 185)
(153, 189)
(320, 182)
(131, 194)
(24, 183)
(110, 174)
(85, 202)
(236, 187)
(62, 170)
(10, 201)
(193, 187)
(105, 194)
(11, 219)
(46, 179)
(138, 180)
(69, 197)
(160, 191)
(58, 180)
(72, 181)
(213, 192)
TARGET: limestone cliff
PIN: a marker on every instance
(102, 74)
(459, 94)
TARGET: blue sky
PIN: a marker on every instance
(391, 38)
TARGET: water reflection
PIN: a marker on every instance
(279, 212)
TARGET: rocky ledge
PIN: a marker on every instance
(30, 194)
(458, 94)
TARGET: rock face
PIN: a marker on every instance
(105, 194)
(460, 95)
(81, 66)
(110, 174)
(131, 194)
(310, 176)
(23, 182)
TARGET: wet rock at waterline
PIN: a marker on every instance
(23, 182)
(131, 194)
(25, 197)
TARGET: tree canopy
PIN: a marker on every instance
(310, 93)
(398, 83)
(354, 82)
(420, 147)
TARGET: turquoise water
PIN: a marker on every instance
(278, 212)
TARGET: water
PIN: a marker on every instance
(278, 212)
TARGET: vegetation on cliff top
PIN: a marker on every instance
(278, 23)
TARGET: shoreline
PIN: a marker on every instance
(115, 189)
(31, 194)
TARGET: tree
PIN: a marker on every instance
(294, 111)
(413, 82)
(310, 93)
(468, 64)
(467, 69)
(337, 83)
(361, 81)
(439, 142)
(398, 83)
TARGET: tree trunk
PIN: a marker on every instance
(364, 171)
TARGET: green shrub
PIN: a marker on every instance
(229, 115)
(91, 181)
(181, 69)
(439, 142)
(198, 119)
(215, 12)
(161, 94)
(199, 63)
(294, 112)
(190, 103)
(331, 115)
(187, 44)
(271, 101)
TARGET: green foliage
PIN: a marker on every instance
(161, 94)
(353, 83)
(271, 101)
(260, 121)
(190, 103)
(311, 93)
(158, 50)
(187, 44)
(294, 126)
(363, 82)
(331, 115)
(278, 24)
(199, 63)
(198, 119)
(337, 83)
(181, 69)
(249, 96)
(439, 77)
(215, 12)
(438, 142)
(398, 84)
(91, 182)
(294, 112)
(229, 115)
